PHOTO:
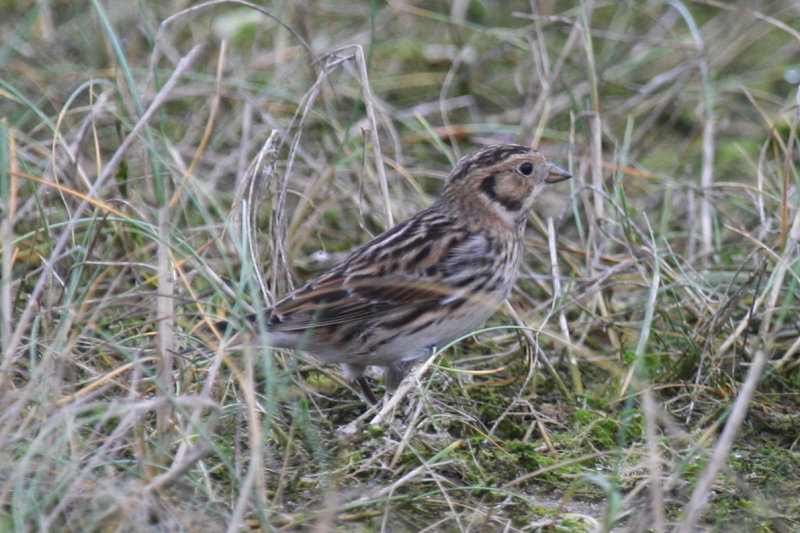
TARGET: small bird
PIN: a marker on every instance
(425, 282)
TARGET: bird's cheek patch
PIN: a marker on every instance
(511, 193)
(507, 192)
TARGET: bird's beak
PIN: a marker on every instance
(556, 174)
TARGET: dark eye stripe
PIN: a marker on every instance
(487, 157)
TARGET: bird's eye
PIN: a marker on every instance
(525, 169)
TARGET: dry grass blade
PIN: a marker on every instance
(166, 166)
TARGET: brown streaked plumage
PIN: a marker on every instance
(425, 282)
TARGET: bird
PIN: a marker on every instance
(426, 281)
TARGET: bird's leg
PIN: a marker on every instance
(362, 381)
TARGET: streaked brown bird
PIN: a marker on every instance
(425, 282)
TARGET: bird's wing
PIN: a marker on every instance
(320, 306)
(417, 263)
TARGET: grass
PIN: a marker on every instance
(162, 166)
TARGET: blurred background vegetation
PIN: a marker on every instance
(165, 163)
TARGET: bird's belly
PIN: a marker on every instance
(417, 341)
